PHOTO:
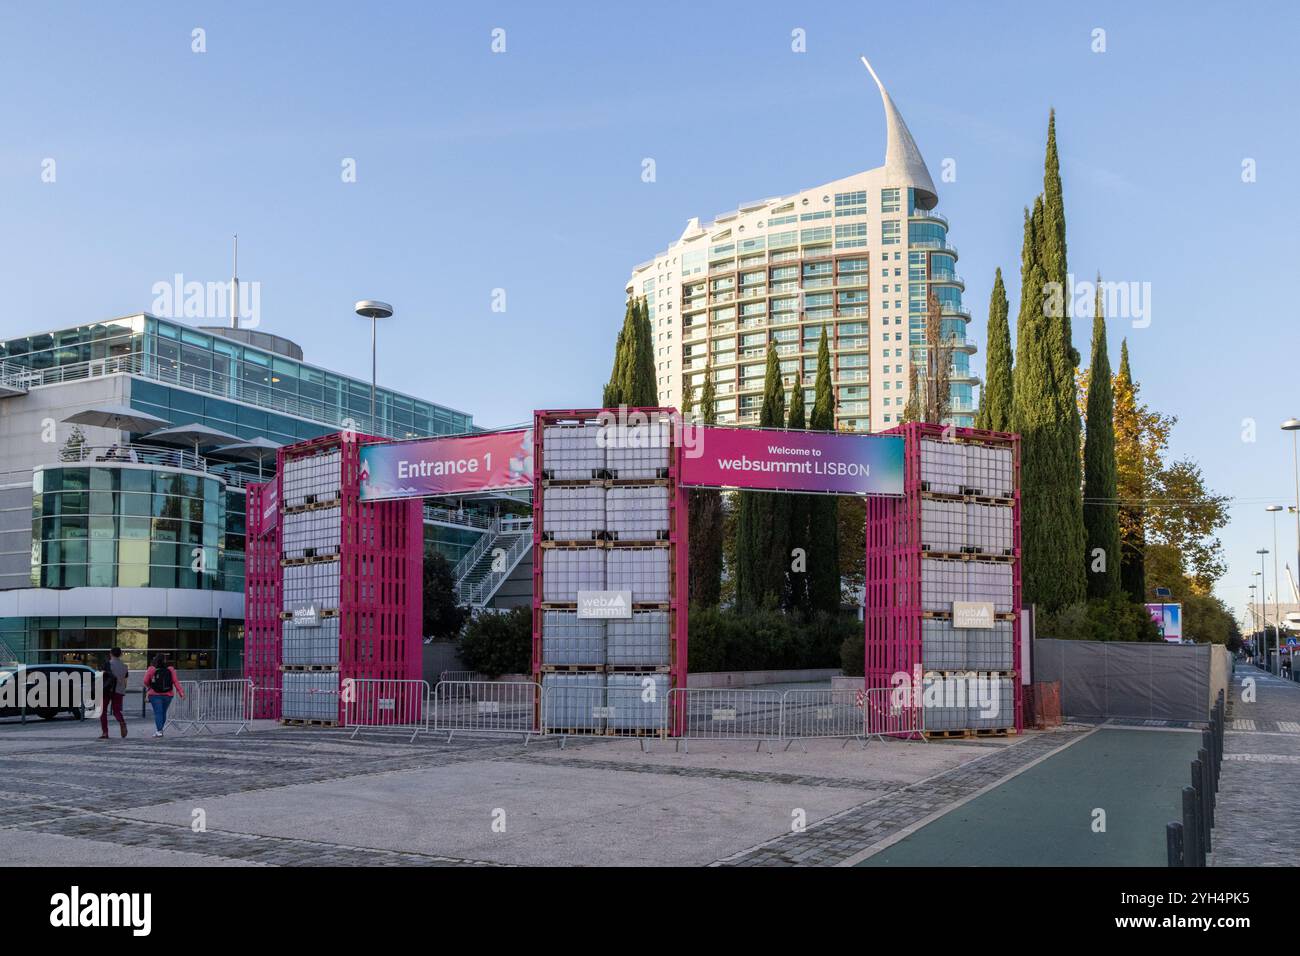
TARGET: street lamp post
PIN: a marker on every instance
(1263, 604)
(1277, 591)
(1292, 425)
(1254, 611)
(373, 310)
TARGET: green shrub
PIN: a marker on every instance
(496, 644)
(766, 639)
(1115, 618)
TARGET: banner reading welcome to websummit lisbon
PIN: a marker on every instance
(761, 459)
(493, 461)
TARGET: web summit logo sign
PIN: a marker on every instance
(604, 604)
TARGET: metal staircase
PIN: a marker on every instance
(476, 578)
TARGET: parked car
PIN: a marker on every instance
(11, 700)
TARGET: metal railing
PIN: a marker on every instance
(210, 702)
(703, 713)
(1188, 843)
(478, 591)
(386, 704)
(129, 453)
(485, 707)
(183, 712)
(468, 519)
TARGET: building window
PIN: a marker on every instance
(890, 200)
(890, 233)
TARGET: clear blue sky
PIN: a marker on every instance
(522, 170)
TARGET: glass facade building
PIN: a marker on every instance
(146, 549)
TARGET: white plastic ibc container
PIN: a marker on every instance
(943, 647)
(998, 710)
(573, 702)
(572, 452)
(311, 645)
(991, 649)
(311, 585)
(566, 571)
(573, 514)
(637, 514)
(637, 701)
(309, 533)
(944, 704)
(990, 581)
(943, 466)
(642, 639)
(638, 451)
(568, 639)
(309, 695)
(989, 528)
(643, 571)
(943, 525)
(942, 582)
(989, 471)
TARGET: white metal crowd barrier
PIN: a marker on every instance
(210, 702)
(225, 702)
(706, 713)
(599, 705)
(823, 712)
(888, 715)
(385, 704)
(182, 712)
(486, 707)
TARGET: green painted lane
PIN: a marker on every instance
(1045, 816)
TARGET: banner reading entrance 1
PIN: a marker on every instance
(493, 461)
(760, 459)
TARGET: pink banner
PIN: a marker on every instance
(493, 461)
(762, 459)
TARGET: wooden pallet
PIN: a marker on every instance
(327, 612)
(638, 543)
(320, 504)
(638, 668)
(558, 606)
(310, 668)
(315, 559)
(573, 482)
(946, 734)
(549, 543)
(993, 732)
(573, 668)
(640, 482)
(308, 722)
(652, 605)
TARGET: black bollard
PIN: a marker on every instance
(1207, 795)
(1197, 783)
(1191, 831)
(1174, 843)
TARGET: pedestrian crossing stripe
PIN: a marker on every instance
(1243, 725)
(1289, 726)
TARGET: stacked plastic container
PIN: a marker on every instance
(334, 588)
(608, 517)
(953, 537)
(311, 546)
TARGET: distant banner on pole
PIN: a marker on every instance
(493, 461)
(1169, 618)
(759, 459)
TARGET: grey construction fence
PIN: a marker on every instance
(1146, 681)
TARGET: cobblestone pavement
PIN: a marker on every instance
(841, 837)
(81, 797)
(1255, 819)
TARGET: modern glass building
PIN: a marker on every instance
(856, 257)
(108, 536)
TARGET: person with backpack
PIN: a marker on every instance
(115, 676)
(161, 683)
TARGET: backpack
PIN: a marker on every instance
(162, 680)
(110, 682)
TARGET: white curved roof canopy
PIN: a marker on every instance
(903, 161)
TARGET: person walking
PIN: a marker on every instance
(161, 683)
(115, 678)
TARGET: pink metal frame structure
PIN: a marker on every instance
(892, 602)
(381, 570)
(262, 580)
(678, 539)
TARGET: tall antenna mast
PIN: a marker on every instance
(234, 288)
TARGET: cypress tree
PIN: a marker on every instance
(706, 520)
(1051, 542)
(1100, 514)
(996, 402)
(796, 596)
(646, 388)
(1128, 448)
(823, 513)
(774, 549)
(613, 395)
